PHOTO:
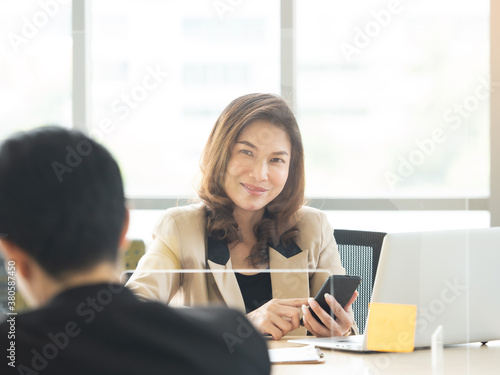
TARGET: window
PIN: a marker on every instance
(162, 71)
(393, 97)
(35, 60)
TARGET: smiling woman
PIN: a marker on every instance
(250, 222)
(258, 168)
(251, 136)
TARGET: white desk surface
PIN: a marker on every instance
(467, 359)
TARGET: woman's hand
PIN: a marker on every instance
(332, 327)
(278, 316)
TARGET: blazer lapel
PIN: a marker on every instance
(293, 284)
(219, 263)
(289, 284)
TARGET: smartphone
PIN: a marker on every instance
(341, 287)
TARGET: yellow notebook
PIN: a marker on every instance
(391, 327)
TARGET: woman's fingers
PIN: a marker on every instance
(277, 317)
(309, 321)
(273, 330)
(295, 320)
(293, 302)
(343, 319)
(351, 301)
(284, 317)
(327, 326)
(280, 316)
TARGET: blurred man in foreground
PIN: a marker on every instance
(62, 220)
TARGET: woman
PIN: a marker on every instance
(251, 218)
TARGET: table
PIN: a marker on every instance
(466, 359)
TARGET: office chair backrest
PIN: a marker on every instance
(359, 253)
(135, 250)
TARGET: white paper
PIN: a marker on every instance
(300, 354)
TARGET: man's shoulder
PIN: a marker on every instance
(223, 338)
(199, 319)
(212, 316)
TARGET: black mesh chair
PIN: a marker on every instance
(359, 253)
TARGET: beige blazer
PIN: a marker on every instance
(180, 244)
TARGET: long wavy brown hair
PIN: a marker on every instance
(278, 221)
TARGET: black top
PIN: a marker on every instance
(255, 289)
(104, 329)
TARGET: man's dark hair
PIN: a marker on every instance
(61, 199)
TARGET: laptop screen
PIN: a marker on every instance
(451, 276)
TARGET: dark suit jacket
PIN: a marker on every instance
(105, 329)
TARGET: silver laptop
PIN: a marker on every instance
(453, 277)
